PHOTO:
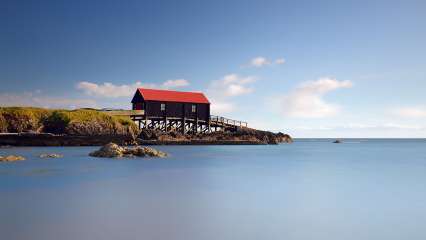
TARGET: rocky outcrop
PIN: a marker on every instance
(242, 136)
(11, 158)
(147, 137)
(338, 141)
(51, 155)
(112, 150)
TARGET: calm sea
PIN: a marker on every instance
(312, 189)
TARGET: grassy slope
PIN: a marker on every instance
(19, 119)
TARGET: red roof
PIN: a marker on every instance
(172, 96)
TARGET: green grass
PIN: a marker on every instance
(18, 119)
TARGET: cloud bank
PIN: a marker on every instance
(410, 112)
(37, 99)
(221, 92)
(110, 90)
(307, 100)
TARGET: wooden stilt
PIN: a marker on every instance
(184, 125)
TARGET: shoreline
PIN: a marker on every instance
(47, 139)
(26, 126)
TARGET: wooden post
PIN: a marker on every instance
(183, 125)
(145, 112)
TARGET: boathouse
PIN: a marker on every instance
(176, 110)
(172, 104)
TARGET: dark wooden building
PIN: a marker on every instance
(168, 110)
(171, 104)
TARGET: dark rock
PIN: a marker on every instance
(337, 141)
(248, 135)
(51, 155)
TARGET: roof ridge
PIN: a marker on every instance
(169, 90)
(172, 95)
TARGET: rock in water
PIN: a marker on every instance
(51, 155)
(147, 151)
(337, 141)
(112, 150)
(11, 158)
(109, 150)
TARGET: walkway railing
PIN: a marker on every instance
(227, 121)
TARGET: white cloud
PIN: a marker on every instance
(110, 90)
(361, 126)
(306, 101)
(175, 83)
(259, 62)
(231, 85)
(37, 99)
(262, 61)
(280, 61)
(410, 112)
(218, 107)
(222, 91)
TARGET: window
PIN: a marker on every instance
(194, 108)
(163, 107)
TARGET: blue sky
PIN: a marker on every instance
(310, 68)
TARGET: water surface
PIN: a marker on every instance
(312, 189)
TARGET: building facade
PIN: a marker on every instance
(171, 104)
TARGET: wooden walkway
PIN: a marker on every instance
(226, 122)
(216, 123)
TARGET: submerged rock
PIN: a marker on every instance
(11, 158)
(337, 141)
(146, 151)
(51, 155)
(112, 150)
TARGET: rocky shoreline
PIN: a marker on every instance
(241, 136)
(21, 126)
(146, 137)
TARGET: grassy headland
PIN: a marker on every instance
(60, 121)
